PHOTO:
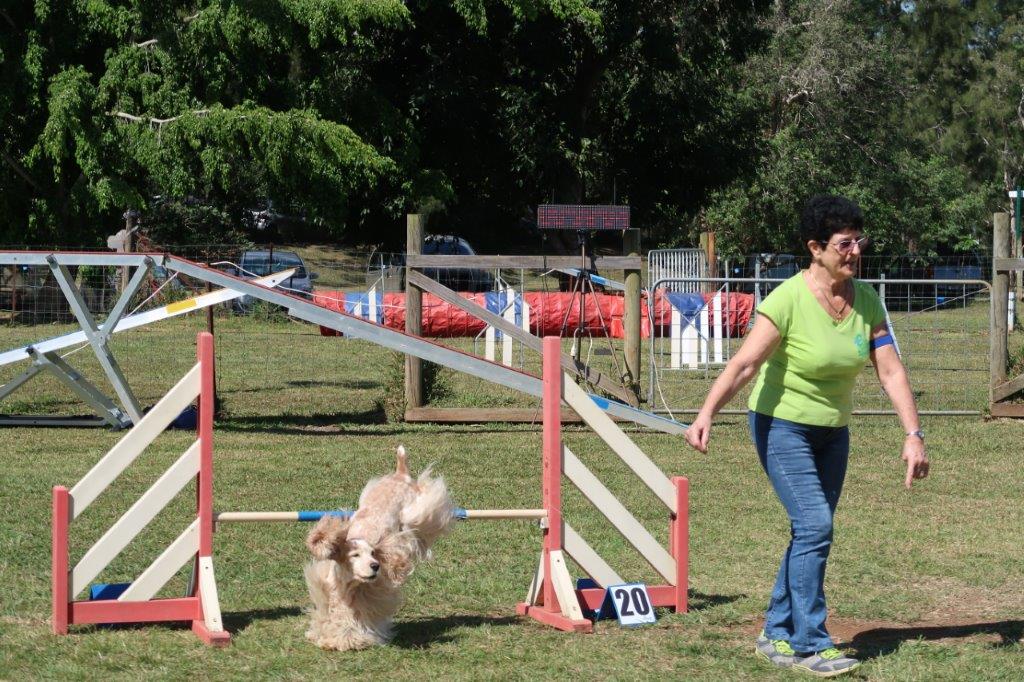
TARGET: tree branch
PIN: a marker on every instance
(17, 167)
(155, 121)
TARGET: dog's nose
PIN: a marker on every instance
(374, 567)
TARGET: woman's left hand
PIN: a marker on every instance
(916, 459)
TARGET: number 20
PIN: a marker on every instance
(638, 598)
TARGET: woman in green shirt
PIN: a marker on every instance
(812, 336)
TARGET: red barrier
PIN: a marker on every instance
(549, 313)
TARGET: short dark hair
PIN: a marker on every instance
(826, 214)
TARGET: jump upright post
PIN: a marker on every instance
(136, 603)
(552, 598)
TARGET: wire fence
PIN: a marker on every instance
(942, 329)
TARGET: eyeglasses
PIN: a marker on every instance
(846, 245)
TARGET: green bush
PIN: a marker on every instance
(391, 402)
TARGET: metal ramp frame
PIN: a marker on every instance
(349, 325)
(44, 354)
(97, 336)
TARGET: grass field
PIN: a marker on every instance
(924, 585)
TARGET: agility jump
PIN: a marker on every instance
(551, 598)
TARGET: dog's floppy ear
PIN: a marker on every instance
(328, 537)
(396, 553)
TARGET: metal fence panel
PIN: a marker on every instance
(941, 327)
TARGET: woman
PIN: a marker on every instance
(812, 336)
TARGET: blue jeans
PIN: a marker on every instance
(806, 465)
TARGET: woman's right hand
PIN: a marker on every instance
(698, 433)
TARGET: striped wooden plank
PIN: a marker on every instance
(208, 594)
(565, 590)
(676, 335)
(613, 510)
(589, 560)
(165, 566)
(134, 442)
(641, 465)
(533, 592)
(717, 303)
(135, 519)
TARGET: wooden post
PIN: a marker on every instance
(707, 243)
(413, 314)
(209, 329)
(204, 429)
(680, 541)
(129, 226)
(1001, 239)
(631, 247)
(59, 562)
(551, 490)
(1018, 276)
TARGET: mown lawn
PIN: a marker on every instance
(924, 584)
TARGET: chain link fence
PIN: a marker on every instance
(939, 313)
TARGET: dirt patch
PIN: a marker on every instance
(868, 634)
(870, 638)
(966, 612)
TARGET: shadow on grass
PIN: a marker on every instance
(881, 641)
(302, 424)
(353, 384)
(237, 621)
(698, 601)
(333, 424)
(426, 632)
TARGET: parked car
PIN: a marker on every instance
(924, 293)
(767, 266)
(263, 262)
(386, 267)
(964, 266)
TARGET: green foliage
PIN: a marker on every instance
(437, 386)
(348, 113)
(177, 222)
(835, 93)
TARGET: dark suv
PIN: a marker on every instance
(459, 279)
(766, 266)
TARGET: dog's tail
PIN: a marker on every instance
(318, 593)
(431, 514)
(402, 465)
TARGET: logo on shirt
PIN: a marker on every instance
(862, 345)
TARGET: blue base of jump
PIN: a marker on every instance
(106, 590)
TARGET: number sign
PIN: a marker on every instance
(632, 604)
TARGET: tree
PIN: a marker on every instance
(351, 112)
(108, 106)
(580, 103)
(835, 91)
(969, 58)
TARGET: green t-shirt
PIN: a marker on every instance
(809, 378)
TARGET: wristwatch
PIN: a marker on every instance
(919, 433)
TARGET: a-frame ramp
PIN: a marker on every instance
(358, 328)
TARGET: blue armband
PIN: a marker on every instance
(884, 340)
